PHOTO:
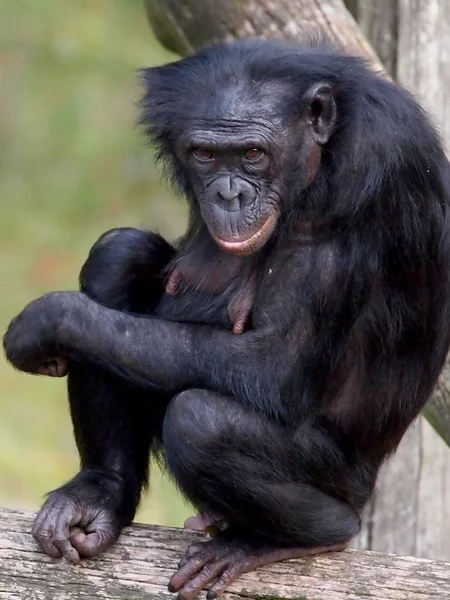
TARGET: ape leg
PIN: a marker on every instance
(249, 470)
(114, 425)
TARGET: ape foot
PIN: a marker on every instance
(219, 562)
(77, 520)
(210, 524)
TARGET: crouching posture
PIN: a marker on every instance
(277, 353)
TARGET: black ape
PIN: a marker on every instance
(278, 354)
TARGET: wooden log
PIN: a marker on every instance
(138, 567)
(184, 25)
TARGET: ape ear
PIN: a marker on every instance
(321, 111)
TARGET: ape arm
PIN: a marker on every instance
(145, 350)
(258, 366)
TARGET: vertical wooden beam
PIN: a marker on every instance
(410, 511)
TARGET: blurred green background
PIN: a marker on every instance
(72, 165)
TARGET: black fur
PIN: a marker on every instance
(280, 430)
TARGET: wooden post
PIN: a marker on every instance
(138, 567)
(410, 511)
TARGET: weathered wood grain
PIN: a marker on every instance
(140, 564)
(378, 21)
(184, 25)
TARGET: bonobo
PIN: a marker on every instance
(277, 353)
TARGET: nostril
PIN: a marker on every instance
(233, 193)
(246, 198)
(229, 197)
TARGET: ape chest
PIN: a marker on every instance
(247, 294)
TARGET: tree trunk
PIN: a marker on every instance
(378, 21)
(184, 25)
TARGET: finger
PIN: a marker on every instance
(43, 532)
(55, 367)
(74, 530)
(173, 283)
(92, 544)
(187, 571)
(226, 578)
(61, 538)
(209, 573)
(192, 549)
(45, 541)
(38, 521)
(197, 522)
(67, 550)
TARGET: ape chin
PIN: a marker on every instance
(276, 354)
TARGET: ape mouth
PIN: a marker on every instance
(250, 244)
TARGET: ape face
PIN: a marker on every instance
(240, 146)
(238, 164)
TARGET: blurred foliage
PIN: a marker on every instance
(72, 165)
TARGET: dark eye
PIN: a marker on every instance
(253, 154)
(202, 154)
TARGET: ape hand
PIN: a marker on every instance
(32, 342)
(78, 519)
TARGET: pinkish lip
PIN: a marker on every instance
(255, 241)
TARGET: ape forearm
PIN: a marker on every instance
(172, 356)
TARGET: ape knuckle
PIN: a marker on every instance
(43, 534)
(61, 501)
(197, 561)
(226, 576)
(208, 572)
(60, 540)
(194, 548)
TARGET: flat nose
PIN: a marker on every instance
(228, 188)
(234, 192)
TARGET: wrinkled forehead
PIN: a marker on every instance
(245, 102)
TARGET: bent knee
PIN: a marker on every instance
(118, 259)
(194, 417)
(107, 262)
(128, 237)
(184, 413)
